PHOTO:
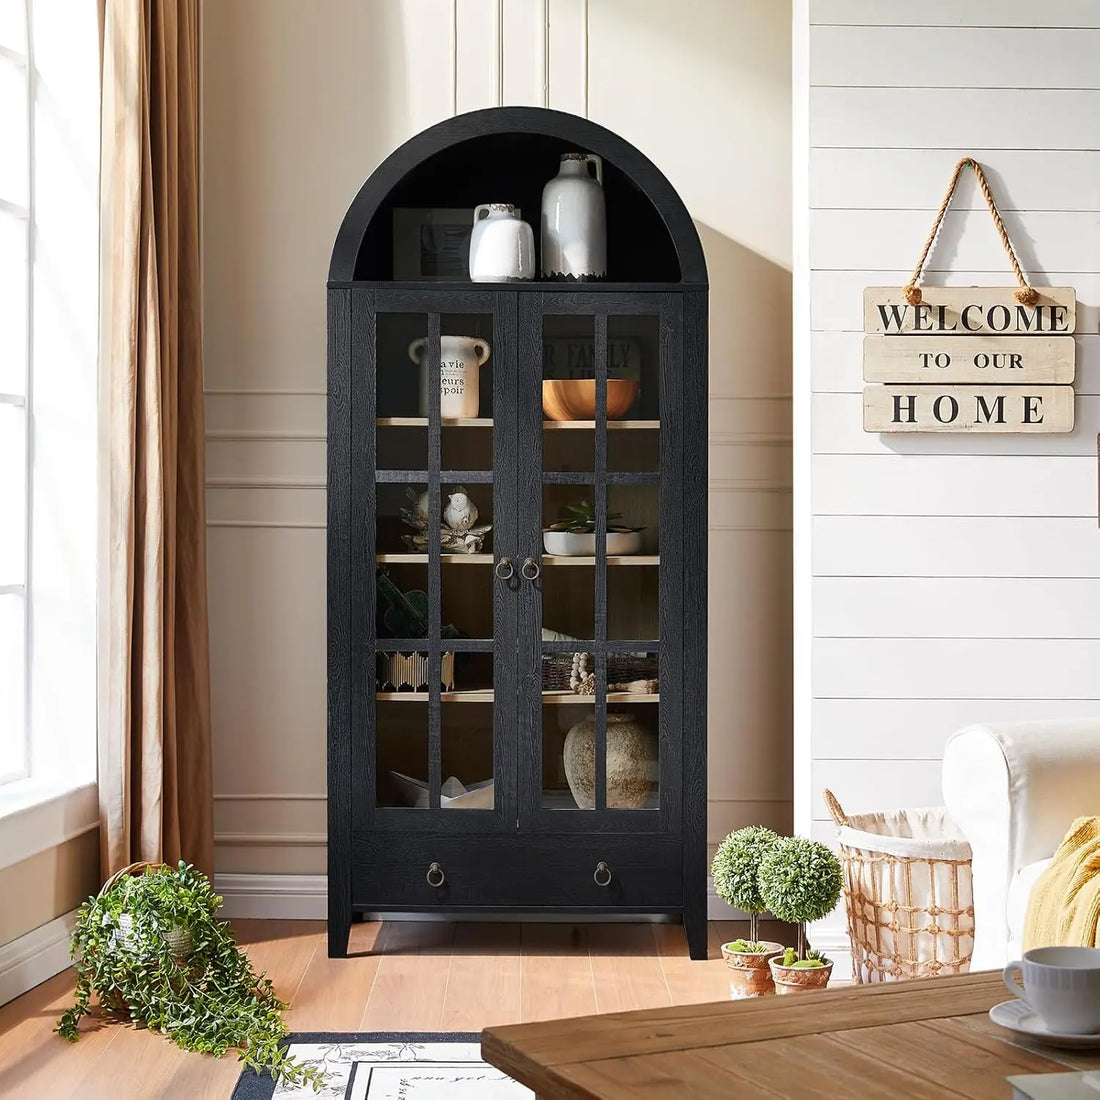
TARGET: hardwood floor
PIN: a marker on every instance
(404, 976)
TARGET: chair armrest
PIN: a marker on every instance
(1014, 788)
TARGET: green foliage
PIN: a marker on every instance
(208, 1002)
(747, 947)
(580, 518)
(813, 959)
(800, 880)
(736, 867)
(405, 614)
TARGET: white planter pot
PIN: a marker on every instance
(460, 360)
(575, 544)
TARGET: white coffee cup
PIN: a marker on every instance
(1061, 984)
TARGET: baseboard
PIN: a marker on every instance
(32, 958)
(305, 897)
(278, 897)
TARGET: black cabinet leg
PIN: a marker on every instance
(695, 928)
(339, 926)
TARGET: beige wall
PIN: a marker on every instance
(301, 102)
(48, 884)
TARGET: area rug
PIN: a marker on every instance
(390, 1066)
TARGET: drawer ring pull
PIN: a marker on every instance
(531, 570)
(504, 569)
(435, 875)
(602, 875)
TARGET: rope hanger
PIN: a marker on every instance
(1027, 295)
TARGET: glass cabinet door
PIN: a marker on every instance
(599, 496)
(440, 451)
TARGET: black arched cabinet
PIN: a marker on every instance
(452, 668)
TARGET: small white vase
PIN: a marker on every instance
(459, 363)
(574, 220)
(502, 245)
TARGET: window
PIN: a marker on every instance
(15, 439)
(49, 291)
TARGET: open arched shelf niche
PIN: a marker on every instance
(507, 154)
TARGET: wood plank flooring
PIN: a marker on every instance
(402, 976)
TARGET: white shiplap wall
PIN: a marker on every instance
(301, 102)
(938, 580)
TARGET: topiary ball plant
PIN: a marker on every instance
(735, 870)
(204, 997)
(800, 880)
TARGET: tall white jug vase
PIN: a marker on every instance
(574, 220)
(460, 359)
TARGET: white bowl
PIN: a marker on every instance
(575, 544)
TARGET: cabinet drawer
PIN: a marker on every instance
(642, 872)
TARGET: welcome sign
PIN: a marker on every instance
(968, 359)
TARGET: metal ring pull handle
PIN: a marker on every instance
(602, 875)
(504, 569)
(530, 570)
(435, 875)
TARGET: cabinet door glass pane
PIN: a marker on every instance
(434, 534)
(634, 368)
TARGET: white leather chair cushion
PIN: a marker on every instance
(1019, 890)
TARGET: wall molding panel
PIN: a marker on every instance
(387, 71)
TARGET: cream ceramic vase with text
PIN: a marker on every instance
(574, 220)
(502, 245)
(460, 360)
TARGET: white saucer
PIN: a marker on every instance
(1019, 1017)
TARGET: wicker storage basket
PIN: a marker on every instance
(909, 893)
(622, 668)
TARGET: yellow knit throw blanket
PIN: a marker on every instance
(1064, 906)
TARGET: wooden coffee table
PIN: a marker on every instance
(928, 1038)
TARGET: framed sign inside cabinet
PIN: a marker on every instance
(969, 359)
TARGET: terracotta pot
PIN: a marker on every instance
(793, 979)
(749, 972)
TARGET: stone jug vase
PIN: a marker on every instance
(632, 763)
(574, 220)
(502, 245)
(459, 362)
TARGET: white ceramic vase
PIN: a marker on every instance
(461, 357)
(574, 220)
(502, 245)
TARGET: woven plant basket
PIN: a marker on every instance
(178, 939)
(909, 893)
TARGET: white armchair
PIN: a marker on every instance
(1014, 788)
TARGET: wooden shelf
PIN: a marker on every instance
(612, 425)
(570, 698)
(422, 422)
(444, 696)
(446, 559)
(612, 559)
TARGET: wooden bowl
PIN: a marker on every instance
(575, 398)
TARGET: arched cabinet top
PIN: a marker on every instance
(507, 154)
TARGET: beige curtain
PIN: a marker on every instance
(154, 684)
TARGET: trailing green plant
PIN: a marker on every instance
(210, 1001)
(800, 880)
(735, 870)
(579, 518)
